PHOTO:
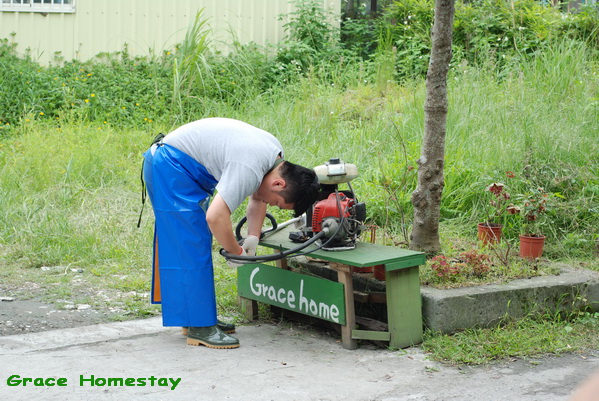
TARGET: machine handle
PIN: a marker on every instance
(269, 216)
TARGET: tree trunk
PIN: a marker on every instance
(427, 196)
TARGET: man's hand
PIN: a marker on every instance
(234, 264)
(250, 244)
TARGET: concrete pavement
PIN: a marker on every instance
(273, 363)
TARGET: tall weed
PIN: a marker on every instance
(189, 58)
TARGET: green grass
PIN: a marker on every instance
(527, 338)
(70, 192)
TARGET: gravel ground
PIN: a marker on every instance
(20, 316)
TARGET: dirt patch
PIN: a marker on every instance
(29, 316)
(58, 297)
(30, 307)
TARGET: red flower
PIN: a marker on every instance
(496, 188)
(513, 209)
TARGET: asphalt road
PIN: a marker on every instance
(143, 360)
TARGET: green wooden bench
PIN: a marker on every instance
(334, 301)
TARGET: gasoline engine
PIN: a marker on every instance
(335, 220)
(337, 214)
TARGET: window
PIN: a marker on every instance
(38, 6)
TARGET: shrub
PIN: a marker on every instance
(466, 266)
(490, 33)
(313, 40)
(112, 88)
(445, 270)
(479, 264)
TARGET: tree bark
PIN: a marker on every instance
(427, 196)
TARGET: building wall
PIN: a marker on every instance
(145, 25)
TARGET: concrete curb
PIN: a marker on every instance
(456, 309)
(52, 340)
(450, 310)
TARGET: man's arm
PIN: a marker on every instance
(256, 211)
(218, 217)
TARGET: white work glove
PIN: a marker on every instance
(249, 244)
(235, 264)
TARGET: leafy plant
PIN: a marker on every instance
(478, 263)
(468, 264)
(409, 23)
(359, 33)
(533, 209)
(311, 37)
(443, 268)
(396, 178)
(498, 202)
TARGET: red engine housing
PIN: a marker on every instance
(328, 208)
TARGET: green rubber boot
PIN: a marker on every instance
(228, 328)
(211, 337)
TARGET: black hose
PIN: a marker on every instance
(274, 256)
(284, 254)
(269, 216)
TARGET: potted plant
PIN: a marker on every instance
(489, 231)
(533, 210)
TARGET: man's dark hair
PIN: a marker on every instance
(302, 186)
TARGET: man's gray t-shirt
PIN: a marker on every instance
(238, 155)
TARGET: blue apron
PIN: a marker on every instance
(179, 189)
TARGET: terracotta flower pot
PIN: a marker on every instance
(531, 247)
(489, 233)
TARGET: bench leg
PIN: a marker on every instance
(248, 308)
(404, 307)
(344, 275)
(282, 263)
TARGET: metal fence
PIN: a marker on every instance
(80, 29)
